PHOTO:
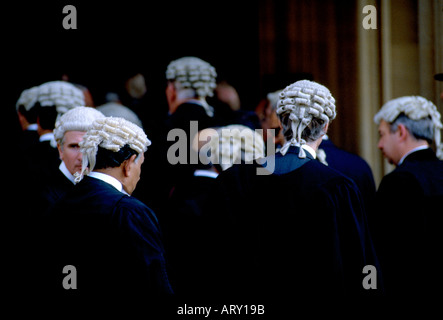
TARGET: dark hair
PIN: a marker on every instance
(109, 159)
(46, 116)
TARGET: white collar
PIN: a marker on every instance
(46, 137)
(205, 173)
(423, 147)
(310, 150)
(32, 127)
(66, 172)
(108, 179)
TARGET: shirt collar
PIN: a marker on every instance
(108, 179)
(46, 137)
(32, 127)
(310, 150)
(423, 147)
(66, 172)
(205, 173)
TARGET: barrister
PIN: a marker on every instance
(113, 239)
(69, 131)
(408, 220)
(308, 236)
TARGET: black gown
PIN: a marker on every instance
(54, 188)
(354, 167)
(186, 115)
(407, 227)
(184, 225)
(299, 233)
(113, 240)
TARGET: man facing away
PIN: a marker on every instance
(112, 239)
(308, 238)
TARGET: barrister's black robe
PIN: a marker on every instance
(186, 243)
(299, 233)
(38, 164)
(354, 167)
(182, 119)
(51, 191)
(42, 160)
(158, 164)
(113, 240)
(407, 227)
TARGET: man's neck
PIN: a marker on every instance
(115, 181)
(113, 172)
(314, 144)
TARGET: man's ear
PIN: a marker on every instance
(60, 151)
(171, 92)
(403, 133)
(127, 165)
(325, 129)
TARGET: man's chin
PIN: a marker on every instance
(77, 169)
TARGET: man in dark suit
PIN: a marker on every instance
(307, 240)
(352, 166)
(112, 239)
(190, 81)
(42, 159)
(69, 131)
(408, 219)
(184, 223)
(49, 100)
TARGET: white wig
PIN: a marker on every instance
(193, 73)
(27, 98)
(61, 94)
(76, 119)
(112, 134)
(304, 101)
(233, 143)
(415, 108)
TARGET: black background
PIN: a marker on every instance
(117, 39)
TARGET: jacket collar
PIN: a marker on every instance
(420, 155)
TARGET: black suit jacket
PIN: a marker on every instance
(51, 191)
(186, 240)
(354, 167)
(112, 239)
(408, 225)
(299, 232)
(43, 161)
(181, 119)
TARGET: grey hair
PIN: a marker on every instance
(312, 132)
(416, 109)
(422, 129)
